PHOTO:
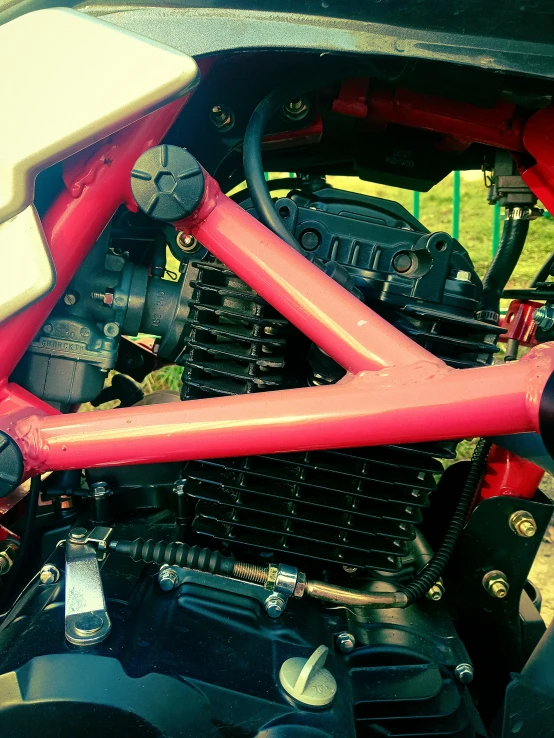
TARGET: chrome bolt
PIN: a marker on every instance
(436, 592)
(78, 535)
(168, 578)
(345, 642)
(49, 574)
(462, 276)
(544, 317)
(496, 584)
(275, 605)
(7, 558)
(523, 524)
(464, 673)
(47, 328)
(70, 298)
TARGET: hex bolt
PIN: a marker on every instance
(275, 605)
(70, 298)
(345, 642)
(168, 578)
(49, 574)
(436, 592)
(544, 317)
(464, 673)
(523, 524)
(496, 584)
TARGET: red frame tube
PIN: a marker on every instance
(412, 396)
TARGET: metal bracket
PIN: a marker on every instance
(86, 619)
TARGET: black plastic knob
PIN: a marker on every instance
(167, 183)
(11, 464)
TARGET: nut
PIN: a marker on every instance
(436, 592)
(296, 109)
(186, 242)
(523, 524)
(222, 117)
(464, 672)
(49, 574)
(346, 642)
(275, 605)
(544, 317)
(496, 584)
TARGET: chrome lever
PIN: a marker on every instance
(86, 619)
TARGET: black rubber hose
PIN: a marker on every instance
(254, 168)
(178, 554)
(26, 541)
(252, 145)
(502, 266)
(435, 568)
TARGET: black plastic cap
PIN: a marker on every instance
(11, 464)
(546, 416)
(167, 183)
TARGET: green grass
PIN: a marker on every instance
(436, 214)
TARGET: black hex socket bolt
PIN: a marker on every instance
(167, 183)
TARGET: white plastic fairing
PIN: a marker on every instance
(68, 80)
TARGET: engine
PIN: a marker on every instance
(222, 652)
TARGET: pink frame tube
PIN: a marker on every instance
(395, 391)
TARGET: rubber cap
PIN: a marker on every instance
(167, 183)
(11, 464)
(307, 681)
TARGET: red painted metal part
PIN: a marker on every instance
(395, 392)
(352, 99)
(519, 323)
(509, 475)
(422, 402)
(499, 125)
(334, 319)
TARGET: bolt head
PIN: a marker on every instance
(168, 579)
(70, 298)
(346, 642)
(275, 605)
(350, 569)
(523, 524)
(496, 584)
(111, 330)
(49, 574)
(464, 673)
(47, 328)
(435, 593)
(78, 534)
(462, 276)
